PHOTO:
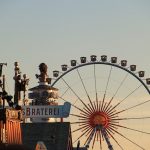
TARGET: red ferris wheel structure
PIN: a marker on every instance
(110, 102)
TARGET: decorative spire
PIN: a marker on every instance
(43, 77)
(20, 84)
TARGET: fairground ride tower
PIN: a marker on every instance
(43, 95)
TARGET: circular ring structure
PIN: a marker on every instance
(104, 63)
(110, 103)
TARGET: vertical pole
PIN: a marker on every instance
(20, 133)
(61, 120)
(3, 123)
(3, 88)
(8, 130)
(17, 79)
(1, 131)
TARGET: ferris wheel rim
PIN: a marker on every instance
(88, 117)
(103, 63)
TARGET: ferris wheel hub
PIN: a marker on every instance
(99, 118)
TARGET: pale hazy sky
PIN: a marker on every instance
(35, 31)
(56, 31)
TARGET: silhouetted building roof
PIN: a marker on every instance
(13, 147)
(55, 136)
(81, 148)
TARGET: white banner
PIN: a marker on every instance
(46, 111)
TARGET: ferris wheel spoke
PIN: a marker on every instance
(132, 118)
(79, 116)
(94, 106)
(65, 92)
(75, 101)
(113, 121)
(74, 106)
(95, 85)
(102, 107)
(109, 107)
(79, 122)
(89, 136)
(100, 136)
(82, 119)
(85, 123)
(134, 143)
(111, 128)
(126, 97)
(110, 133)
(131, 129)
(90, 129)
(132, 107)
(76, 94)
(81, 135)
(130, 93)
(83, 127)
(105, 104)
(97, 136)
(83, 114)
(111, 113)
(119, 87)
(89, 132)
(85, 89)
(94, 139)
(113, 116)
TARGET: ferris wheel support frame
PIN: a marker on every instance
(106, 137)
(100, 127)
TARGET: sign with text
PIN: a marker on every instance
(46, 111)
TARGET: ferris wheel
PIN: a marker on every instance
(110, 103)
